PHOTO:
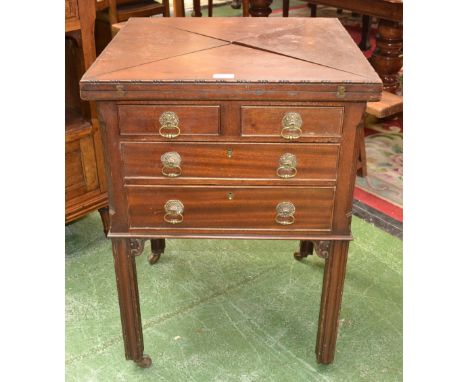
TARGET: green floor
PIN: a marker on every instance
(233, 311)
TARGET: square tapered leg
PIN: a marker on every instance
(127, 288)
(332, 291)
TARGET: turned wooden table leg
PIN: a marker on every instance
(306, 248)
(387, 59)
(332, 291)
(196, 9)
(127, 288)
(157, 248)
(260, 8)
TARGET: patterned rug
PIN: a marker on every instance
(384, 149)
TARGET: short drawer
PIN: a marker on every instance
(224, 208)
(291, 123)
(169, 122)
(230, 160)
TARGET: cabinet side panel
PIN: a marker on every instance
(109, 124)
(347, 169)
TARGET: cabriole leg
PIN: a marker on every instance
(332, 291)
(127, 288)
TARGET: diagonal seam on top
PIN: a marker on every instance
(239, 43)
(229, 42)
(295, 58)
(160, 59)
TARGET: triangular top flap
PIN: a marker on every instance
(324, 41)
(141, 42)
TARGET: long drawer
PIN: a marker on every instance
(224, 208)
(230, 161)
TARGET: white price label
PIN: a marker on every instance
(224, 76)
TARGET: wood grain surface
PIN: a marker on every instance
(250, 207)
(230, 161)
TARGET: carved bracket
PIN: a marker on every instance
(322, 248)
(137, 246)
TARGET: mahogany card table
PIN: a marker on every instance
(231, 128)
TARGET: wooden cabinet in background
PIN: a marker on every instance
(85, 182)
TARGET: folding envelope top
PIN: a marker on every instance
(149, 52)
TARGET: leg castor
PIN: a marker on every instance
(306, 248)
(144, 361)
(153, 258)
(157, 248)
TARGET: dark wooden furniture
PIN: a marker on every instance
(122, 10)
(179, 8)
(85, 181)
(110, 12)
(388, 57)
(215, 129)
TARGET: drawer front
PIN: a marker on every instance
(224, 208)
(230, 160)
(300, 122)
(169, 122)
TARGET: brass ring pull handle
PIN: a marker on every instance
(171, 164)
(285, 213)
(169, 125)
(287, 166)
(174, 212)
(292, 123)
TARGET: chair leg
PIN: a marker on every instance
(245, 8)
(104, 212)
(364, 44)
(313, 10)
(179, 8)
(306, 248)
(362, 158)
(285, 8)
(157, 249)
(196, 9)
(167, 11)
(210, 8)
